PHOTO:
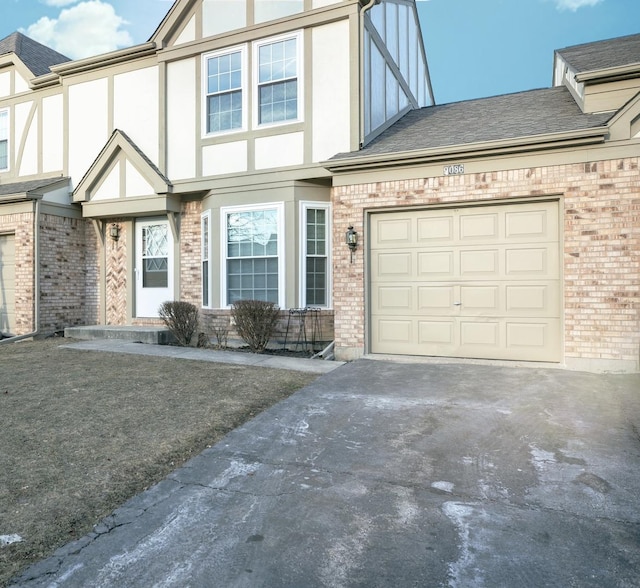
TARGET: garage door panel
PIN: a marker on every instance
(533, 340)
(436, 265)
(394, 299)
(482, 282)
(541, 262)
(395, 266)
(7, 284)
(535, 299)
(480, 300)
(396, 331)
(478, 226)
(436, 231)
(475, 262)
(434, 334)
(439, 300)
(479, 332)
(533, 225)
(393, 231)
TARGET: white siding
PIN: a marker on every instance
(52, 133)
(22, 85)
(29, 162)
(5, 83)
(188, 33)
(110, 187)
(137, 185)
(88, 124)
(220, 16)
(227, 158)
(181, 119)
(135, 108)
(280, 151)
(331, 91)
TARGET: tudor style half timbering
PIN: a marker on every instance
(225, 159)
(195, 157)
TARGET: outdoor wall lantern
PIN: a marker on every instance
(351, 238)
(114, 231)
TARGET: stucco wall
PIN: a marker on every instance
(601, 202)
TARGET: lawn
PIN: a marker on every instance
(81, 432)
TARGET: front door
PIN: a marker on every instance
(154, 266)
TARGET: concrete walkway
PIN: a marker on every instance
(381, 474)
(315, 366)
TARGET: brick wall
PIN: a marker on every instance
(116, 273)
(63, 259)
(601, 260)
(190, 257)
(65, 270)
(21, 225)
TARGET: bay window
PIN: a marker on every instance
(253, 250)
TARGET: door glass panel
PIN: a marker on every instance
(155, 256)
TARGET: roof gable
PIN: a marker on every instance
(121, 170)
(35, 56)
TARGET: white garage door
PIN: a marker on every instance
(7, 284)
(479, 282)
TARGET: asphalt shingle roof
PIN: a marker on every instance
(24, 187)
(37, 57)
(603, 54)
(510, 116)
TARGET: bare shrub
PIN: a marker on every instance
(255, 322)
(221, 332)
(181, 318)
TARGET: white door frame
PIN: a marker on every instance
(155, 285)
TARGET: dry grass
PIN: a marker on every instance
(81, 432)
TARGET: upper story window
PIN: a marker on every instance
(4, 140)
(279, 88)
(225, 100)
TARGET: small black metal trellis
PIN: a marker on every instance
(298, 329)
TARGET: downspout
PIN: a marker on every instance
(36, 277)
(364, 9)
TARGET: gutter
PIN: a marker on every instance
(610, 74)
(106, 59)
(473, 150)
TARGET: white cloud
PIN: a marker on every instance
(575, 4)
(88, 28)
(59, 3)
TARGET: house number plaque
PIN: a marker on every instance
(454, 170)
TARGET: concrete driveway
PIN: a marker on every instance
(394, 474)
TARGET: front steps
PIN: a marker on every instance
(138, 334)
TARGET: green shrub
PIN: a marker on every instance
(181, 318)
(255, 322)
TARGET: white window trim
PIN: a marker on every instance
(302, 286)
(300, 79)
(205, 255)
(8, 168)
(224, 211)
(244, 88)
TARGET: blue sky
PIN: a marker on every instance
(475, 48)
